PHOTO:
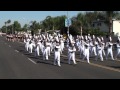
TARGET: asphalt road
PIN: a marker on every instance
(15, 63)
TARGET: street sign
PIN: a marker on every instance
(67, 22)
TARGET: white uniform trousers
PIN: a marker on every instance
(99, 54)
(109, 51)
(71, 57)
(26, 46)
(103, 51)
(48, 50)
(62, 46)
(82, 51)
(37, 51)
(30, 48)
(93, 51)
(86, 55)
(118, 51)
(45, 54)
(57, 58)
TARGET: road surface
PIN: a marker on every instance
(15, 63)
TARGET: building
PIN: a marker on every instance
(100, 24)
(116, 27)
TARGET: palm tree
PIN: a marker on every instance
(7, 22)
(6, 27)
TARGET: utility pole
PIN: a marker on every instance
(81, 30)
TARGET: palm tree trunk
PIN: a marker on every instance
(110, 25)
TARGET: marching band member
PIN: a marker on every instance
(93, 48)
(48, 46)
(103, 46)
(27, 41)
(109, 49)
(99, 50)
(86, 50)
(57, 53)
(82, 47)
(45, 50)
(37, 50)
(118, 48)
(61, 44)
(71, 53)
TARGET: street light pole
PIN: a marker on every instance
(68, 25)
(6, 27)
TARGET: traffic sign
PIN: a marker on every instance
(67, 22)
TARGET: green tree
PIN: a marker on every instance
(34, 27)
(16, 26)
(3, 29)
(7, 22)
(25, 28)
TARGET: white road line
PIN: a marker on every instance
(9, 46)
(32, 61)
(16, 51)
(97, 65)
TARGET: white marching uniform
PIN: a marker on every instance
(86, 52)
(82, 48)
(57, 55)
(71, 53)
(93, 49)
(37, 50)
(61, 45)
(26, 44)
(99, 52)
(109, 50)
(118, 50)
(31, 46)
(45, 52)
(48, 48)
(103, 47)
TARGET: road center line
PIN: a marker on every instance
(9, 46)
(32, 61)
(16, 51)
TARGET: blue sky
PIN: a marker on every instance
(27, 16)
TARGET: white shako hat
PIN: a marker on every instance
(86, 37)
(93, 36)
(82, 37)
(98, 39)
(110, 39)
(102, 38)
